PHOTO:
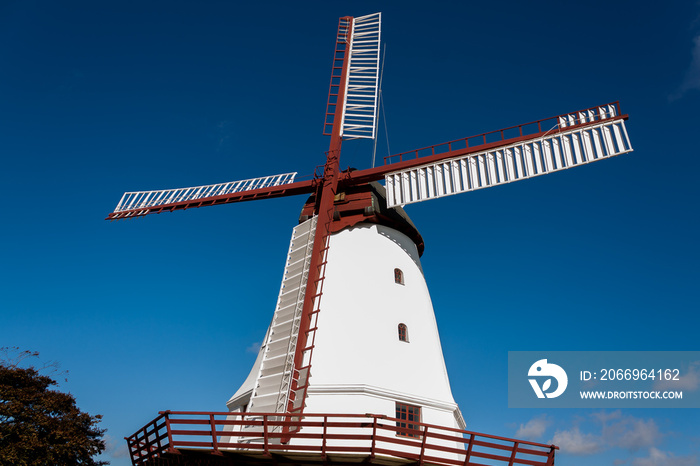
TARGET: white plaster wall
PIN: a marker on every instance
(359, 365)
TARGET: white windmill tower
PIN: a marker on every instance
(343, 378)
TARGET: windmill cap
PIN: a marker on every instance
(366, 203)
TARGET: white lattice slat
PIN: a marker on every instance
(360, 105)
(133, 201)
(556, 150)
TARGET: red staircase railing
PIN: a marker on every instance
(173, 433)
(300, 382)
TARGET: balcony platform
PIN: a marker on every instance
(185, 456)
(248, 439)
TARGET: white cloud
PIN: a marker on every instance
(692, 76)
(576, 443)
(254, 348)
(604, 416)
(614, 431)
(689, 381)
(628, 432)
(660, 458)
(534, 428)
(115, 448)
(633, 434)
(225, 130)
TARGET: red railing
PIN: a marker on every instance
(367, 435)
(590, 115)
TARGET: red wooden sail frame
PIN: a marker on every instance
(404, 160)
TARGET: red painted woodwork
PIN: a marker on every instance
(470, 145)
(178, 435)
(401, 161)
(365, 203)
(292, 189)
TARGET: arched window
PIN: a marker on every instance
(403, 333)
(398, 276)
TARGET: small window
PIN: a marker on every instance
(398, 276)
(408, 418)
(403, 333)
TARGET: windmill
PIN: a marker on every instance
(325, 353)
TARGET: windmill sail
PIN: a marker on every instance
(359, 117)
(139, 203)
(359, 38)
(576, 139)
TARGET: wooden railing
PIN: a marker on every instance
(174, 432)
(513, 133)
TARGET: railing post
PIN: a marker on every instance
(323, 437)
(422, 446)
(144, 444)
(469, 450)
(374, 438)
(155, 429)
(512, 455)
(265, 438)
(214, 442)
(171, 447)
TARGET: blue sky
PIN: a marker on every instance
(98, 98)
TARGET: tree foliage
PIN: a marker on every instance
(41, 426)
